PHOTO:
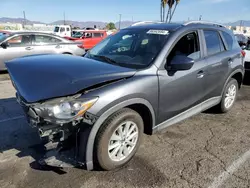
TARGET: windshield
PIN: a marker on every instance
(77, 34)
(56, 29)
(131, 48)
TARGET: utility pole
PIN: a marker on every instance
(24, 18)
(64, 22)
(120, 21)
(241, 23)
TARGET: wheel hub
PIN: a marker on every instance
(123, 141)
(230, 96)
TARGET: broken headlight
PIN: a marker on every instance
(64, 110)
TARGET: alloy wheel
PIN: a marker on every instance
(230, 96)
(123, 141)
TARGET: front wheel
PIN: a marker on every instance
(229, 96)
(118, 139)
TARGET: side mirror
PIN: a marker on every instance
(180, 62)
(4, 45)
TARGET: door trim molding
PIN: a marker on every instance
(188, 113)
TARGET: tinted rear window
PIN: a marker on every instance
(213, 42)
(97, 34)
(56, 29)
(230, 40)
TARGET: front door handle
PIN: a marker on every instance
(58, 46)
(28, 48)
(200, 74)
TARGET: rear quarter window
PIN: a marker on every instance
(96, 35)
(230, 41)
(214, 42)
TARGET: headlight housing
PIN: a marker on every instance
(64, 110)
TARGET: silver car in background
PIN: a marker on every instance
(19, 44)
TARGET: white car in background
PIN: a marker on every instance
(247, 57)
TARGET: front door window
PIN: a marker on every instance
(20, 41)
(188, 46)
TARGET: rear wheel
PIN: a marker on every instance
(118, 139)
(229, 96)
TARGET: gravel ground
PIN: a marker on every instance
(208, 150)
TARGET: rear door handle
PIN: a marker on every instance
(28, 48)
(200, 74)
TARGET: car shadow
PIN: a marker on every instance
(246, 80)
(3, 71)
(19, 139)
(16, 135)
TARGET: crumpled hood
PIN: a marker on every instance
(48, 76)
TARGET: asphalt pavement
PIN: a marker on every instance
(207, 150)
(4, 76)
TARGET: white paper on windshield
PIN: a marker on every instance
(158, 32)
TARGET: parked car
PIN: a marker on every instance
(143, 79)
(27, 43)
(2, 32)
(247, 56)
(89, 38)
(63, 30)
(242, 39)
(67, 31)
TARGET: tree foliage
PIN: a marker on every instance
(110, 26)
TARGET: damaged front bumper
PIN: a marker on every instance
(61, 140)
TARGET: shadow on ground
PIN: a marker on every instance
(16, 135)
(246, 80)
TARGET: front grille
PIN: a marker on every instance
(247, 65)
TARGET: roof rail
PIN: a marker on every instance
(144, 23)
(204, 22)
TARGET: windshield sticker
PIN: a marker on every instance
(144, 42)
(158, 32)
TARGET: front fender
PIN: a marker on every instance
(103, 117)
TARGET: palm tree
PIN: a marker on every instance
(176, 4)
(170, 14)
(163, 9)
(170, 5)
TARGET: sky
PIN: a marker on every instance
(138, 10)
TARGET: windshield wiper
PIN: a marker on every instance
(107, 59)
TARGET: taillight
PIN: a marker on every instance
(243, 53)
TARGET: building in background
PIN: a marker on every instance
(240, 30)
(30, 27)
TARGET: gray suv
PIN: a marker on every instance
(91, 111)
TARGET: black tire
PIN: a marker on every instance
(222, 107)
(104, 134)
